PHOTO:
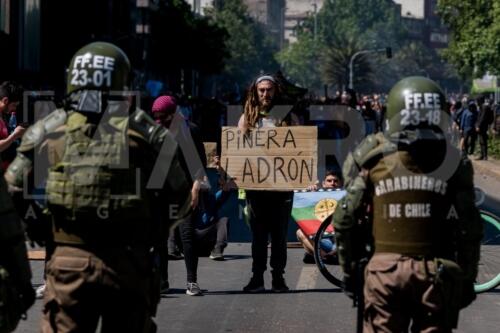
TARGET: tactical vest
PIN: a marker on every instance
(410, 208)
(93, 184)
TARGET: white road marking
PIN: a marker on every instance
(308, 278)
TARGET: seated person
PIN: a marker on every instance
(210, 228)
(332, 181)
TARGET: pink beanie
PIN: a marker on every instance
(164, 104)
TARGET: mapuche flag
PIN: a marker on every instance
(310, 209)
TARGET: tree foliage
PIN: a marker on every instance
(250, 49)
(374, 22)
(301, 62)
(344, 27)
(475, 26)
(178, 38)
(336, 58)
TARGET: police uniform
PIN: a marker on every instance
(415, 195)
(105, 224)
(16, 293)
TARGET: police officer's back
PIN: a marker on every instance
(414, 193)
(106, 169)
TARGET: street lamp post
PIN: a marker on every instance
(281, 29)
(387, 50)
(315, 19)
(351, 63)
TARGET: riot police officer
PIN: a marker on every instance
(108, 170)
(16, 293)
(410, 206)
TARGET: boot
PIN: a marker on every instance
(279, 284)
(484, 151)
(256, 284)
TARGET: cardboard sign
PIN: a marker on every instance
(274, 158)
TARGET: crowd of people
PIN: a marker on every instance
(472, 118)
(106, 270)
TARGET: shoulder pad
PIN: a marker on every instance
(36, 133)
(75, 120)
(371, 147)
(153, 133)
(349, 170)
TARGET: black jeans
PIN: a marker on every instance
(483, 142)
(194, 241)
(186, 227)
(269, 214)
(188, 237)
(470, 142)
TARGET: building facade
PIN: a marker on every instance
(271, 13)
(423, 23)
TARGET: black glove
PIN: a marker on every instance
(348, 286)
(468, 294)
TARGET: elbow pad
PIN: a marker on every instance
(17, 169)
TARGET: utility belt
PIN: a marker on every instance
(414, 250)
(96, 234)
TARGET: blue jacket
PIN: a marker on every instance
(209, 203)
(468, 121)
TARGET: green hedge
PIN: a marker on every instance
(494, 146)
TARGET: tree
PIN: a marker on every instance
(375, 22)
(349, 26)
(344, 27)
(178, 38)
(301, 62)
(336, 58)
(250, 48)
(475, 27)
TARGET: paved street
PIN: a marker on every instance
(120, 111)
(312, 304)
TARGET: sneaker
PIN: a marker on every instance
(216, 254)
(308, 259)
(164, 287)
(40, 291)
(256, 285)
(193, 289)
(279, 285)
(176, 255)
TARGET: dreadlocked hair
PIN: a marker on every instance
(252, 106)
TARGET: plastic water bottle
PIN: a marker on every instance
(12, 126)
(12, 122)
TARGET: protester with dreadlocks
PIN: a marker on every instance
(261, 97)
(269, 210)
